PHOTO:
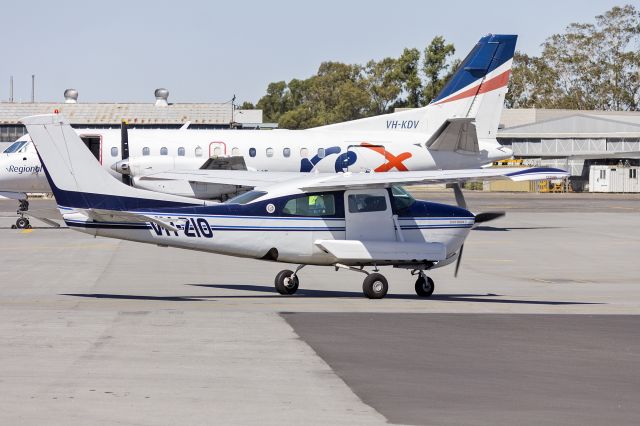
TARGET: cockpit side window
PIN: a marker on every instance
(400, 199)
(311, 205)
(245, 198)
(18, 146)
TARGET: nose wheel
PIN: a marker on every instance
(424, 285)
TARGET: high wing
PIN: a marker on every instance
(311, 181)
(363, 180)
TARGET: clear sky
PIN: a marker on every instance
(207, 51)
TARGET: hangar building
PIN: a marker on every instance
(573, 140)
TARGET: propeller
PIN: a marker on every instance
(124, 147)
(480, 218)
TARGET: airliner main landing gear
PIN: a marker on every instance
(22, 222)
(287, 281)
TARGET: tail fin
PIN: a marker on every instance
(77, 180)
(476, 90)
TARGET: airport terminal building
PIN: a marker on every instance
(160, 114)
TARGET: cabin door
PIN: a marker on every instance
(368, 215)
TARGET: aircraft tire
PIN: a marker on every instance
(375, 286)
(425, 286)
(285, 283)
(22, 223)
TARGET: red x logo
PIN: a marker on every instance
(392, 160)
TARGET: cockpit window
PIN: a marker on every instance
(245, 198)
(19, 146)
(400, 198)
(311, 205)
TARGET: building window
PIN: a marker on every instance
(310, 205)
(235, 152)
(603, 174)
(164, 151)
(320, 152)
(286, 152)
(304, 152)
(198, 151)
(252, 152)
(181, 151)
(269, 152)
(114, 151)
(633, 173)
(146, 150)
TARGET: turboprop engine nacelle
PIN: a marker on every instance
(141, 166)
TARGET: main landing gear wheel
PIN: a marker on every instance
(23, 223)
(424, 286)
(286, 282)
(375, 286)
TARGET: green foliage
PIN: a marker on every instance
(589, 66)
(436, 55)
(340, 92)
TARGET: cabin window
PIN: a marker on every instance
(286, 152)
(114, 151)
(245, 198)
(361, 203)
(235, 152)
(304, 152)
(252, 152)
(321, 153)
(198, 151)
(311, 205)
(269, 152)
(164, 151)
(181, 151)
(146, 151)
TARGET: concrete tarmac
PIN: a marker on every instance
(99, 331)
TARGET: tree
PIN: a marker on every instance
(436, 67)
(589, 66)
(247, 105)
(384, 84)
(408, 65)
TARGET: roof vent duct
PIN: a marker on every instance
(71, 96)
(162, 96)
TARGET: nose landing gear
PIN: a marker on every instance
(424, 285)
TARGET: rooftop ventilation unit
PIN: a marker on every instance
(162, 96)
(71, 96)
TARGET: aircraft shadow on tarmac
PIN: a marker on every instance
(269, 292)
(511, 228)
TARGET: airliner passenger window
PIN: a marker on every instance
(321, 153)
(269, 152)
(304, 152)
(286, 152)
(164, 151)
(311, 205)
(361, 203)
(114, 151)
(198, 151)
(181, 151)
(252, 152)
(235, 152)
(146, 150)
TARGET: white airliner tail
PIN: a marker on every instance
(476, 91)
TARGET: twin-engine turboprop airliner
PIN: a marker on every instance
(343, 220)
(457, 130)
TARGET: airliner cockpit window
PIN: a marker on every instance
(19, 146)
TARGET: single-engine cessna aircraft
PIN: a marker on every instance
(343, 220)
(457, 130)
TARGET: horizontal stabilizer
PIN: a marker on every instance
(355, 250)
(99, 215)
(455, 134)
